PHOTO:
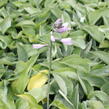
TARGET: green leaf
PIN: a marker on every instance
(39, 93)
(102, 55)
(61, 83)
(56, 11)
(5, 24)
(31, 100)
(6, 98)
(66, 17)
(95, 15)
(105, 88)
(66, 72)
(75, 97)
(79, 43)
(49, 3)
(3, 2)
(91, 1)
(70, 86)
(59, 104)
(94, 32)
(22, 54)
(24, 76)
(31, 10)
(22, 104)
(100, 95)
(104, 44)
(66, 99)
(94, 80)
(26, 23)
(5, 41)
(101, 72)
(94, 104)
(83, 85)
(76, 62)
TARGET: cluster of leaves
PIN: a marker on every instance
(80, 72)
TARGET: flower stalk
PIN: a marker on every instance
(50, 66)
(59, 27)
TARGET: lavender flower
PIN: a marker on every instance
(39, 45)
(61, 27)
(58, 23)
(67, 41)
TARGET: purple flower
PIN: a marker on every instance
(58, 22)
(67, 41)
(59, 27)
(39, 45)
(62, 29)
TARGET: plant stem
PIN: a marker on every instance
(50, 63)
